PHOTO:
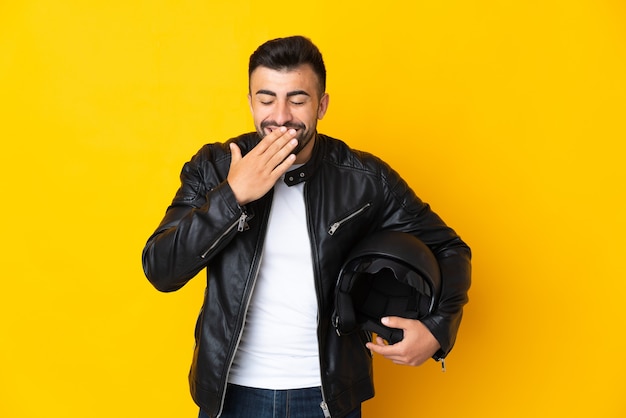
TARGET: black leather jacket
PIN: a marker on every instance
(348, 194)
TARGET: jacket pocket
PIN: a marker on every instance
(351, 216)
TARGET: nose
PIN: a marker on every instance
(282, 113)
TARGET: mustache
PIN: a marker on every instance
(270, 123)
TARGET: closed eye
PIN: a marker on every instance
(265, 97)
(298, 97)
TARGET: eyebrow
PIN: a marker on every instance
(290, 94)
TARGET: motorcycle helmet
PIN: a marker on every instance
(389, 273)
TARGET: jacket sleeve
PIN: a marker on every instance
(202, 218)
(454, 264)
(406, 212)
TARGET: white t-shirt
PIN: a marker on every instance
(279, 348)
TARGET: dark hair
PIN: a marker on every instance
(289, 53)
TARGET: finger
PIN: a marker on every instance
(388, 351)
(377, 342)
(282, 146)
(273, 138)
(284, 166)
(279, 160)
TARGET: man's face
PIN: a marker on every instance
(287, 98)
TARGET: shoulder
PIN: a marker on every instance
(212, 161)
(218, 151)
(338, 153)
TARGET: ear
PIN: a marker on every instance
(250, 103)
(323, 106)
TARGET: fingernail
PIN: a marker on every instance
(384, 320)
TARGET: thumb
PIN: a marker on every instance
(393, 322)
(235, 152)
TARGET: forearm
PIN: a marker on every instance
(189, 234)
(453, 255)
(455, 267)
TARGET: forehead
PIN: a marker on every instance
(282, 81)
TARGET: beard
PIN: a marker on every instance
(303, 135)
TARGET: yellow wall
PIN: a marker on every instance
(508, 117)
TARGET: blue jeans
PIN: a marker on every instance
(244, 402)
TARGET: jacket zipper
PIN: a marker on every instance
(331, 231)
(323, 404)
(234, 352)
(241, 226)
(325, 407)
(333, 228)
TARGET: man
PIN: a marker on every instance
(272, 216)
